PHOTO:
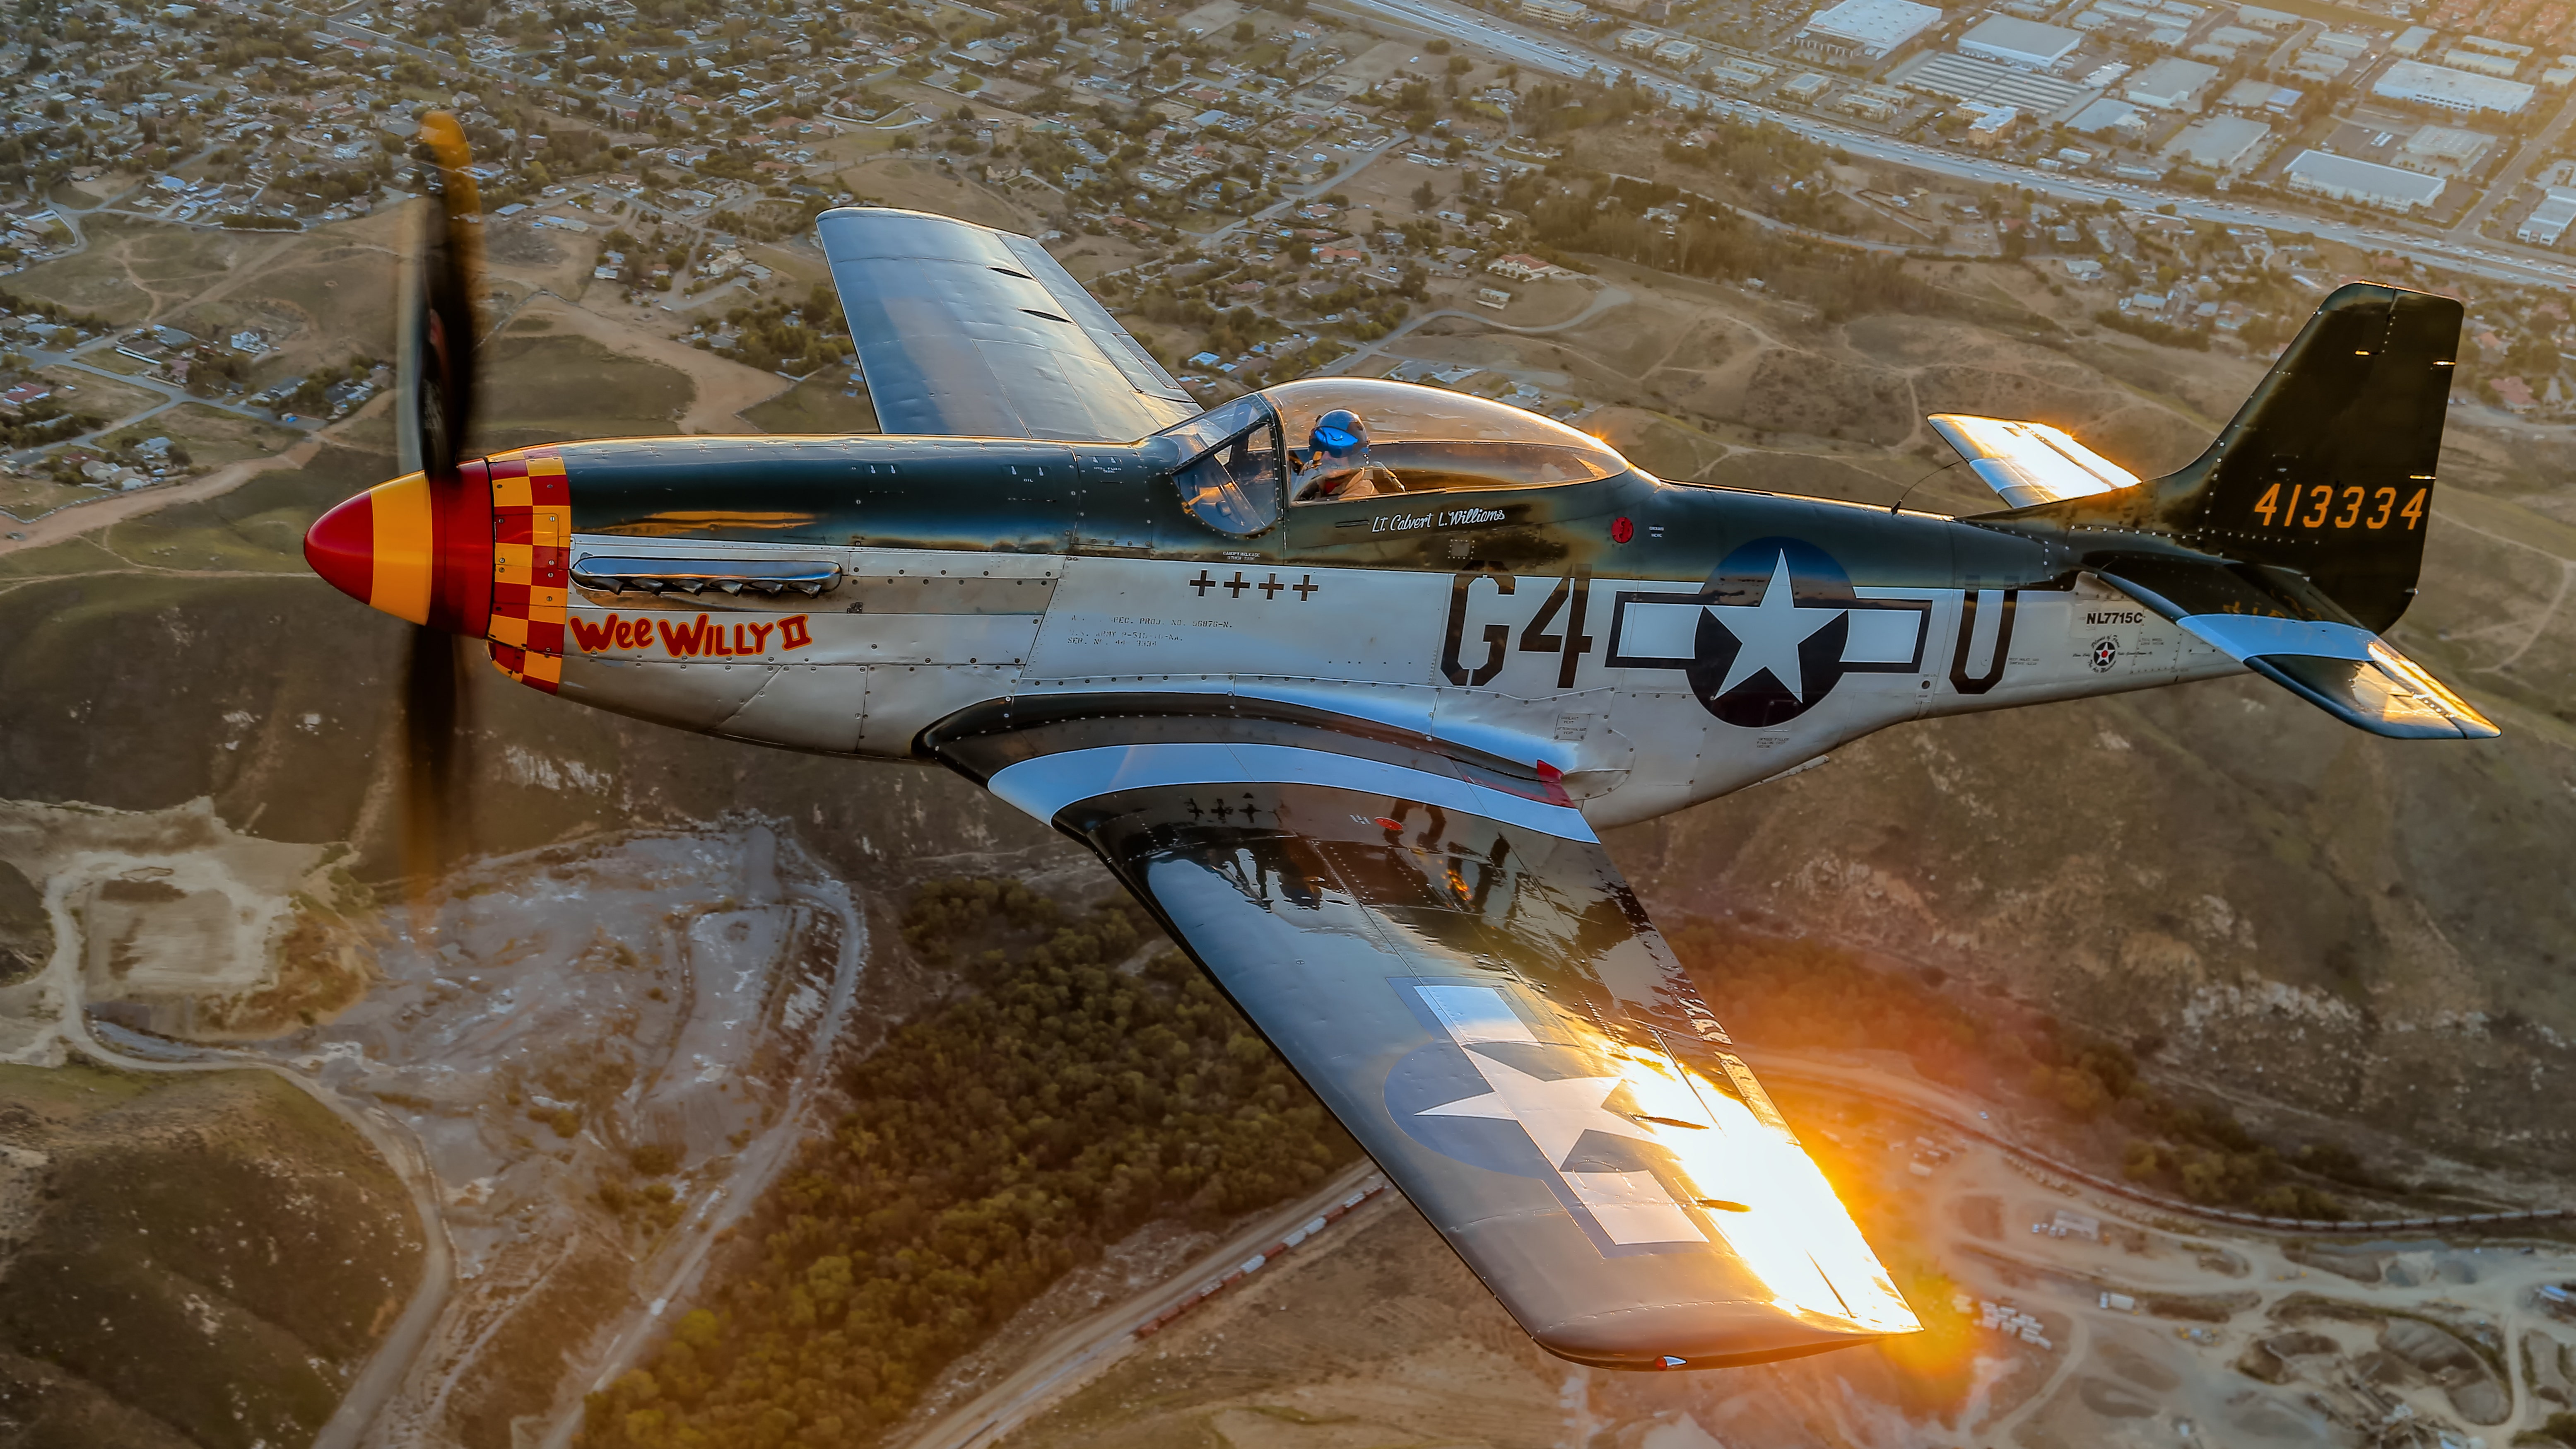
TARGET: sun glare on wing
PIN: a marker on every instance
(1765, 1196)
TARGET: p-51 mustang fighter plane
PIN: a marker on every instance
(1341, 678)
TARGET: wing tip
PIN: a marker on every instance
(1663, 1339)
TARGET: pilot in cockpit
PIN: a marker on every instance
(1335, 464)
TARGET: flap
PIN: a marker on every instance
(1440, 947)
(966, 331)
(2027, 463)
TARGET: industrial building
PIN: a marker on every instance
(1960, 78)
(1555, 12)
(2108, 117)
(2447, 150)
(2416, 83)
(2549, 220)
(2171, 84)
(1865, 29)
(2253, 95)
(2343, 178)
(2024, 43)
(2225, 144)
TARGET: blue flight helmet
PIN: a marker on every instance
(1338, 449)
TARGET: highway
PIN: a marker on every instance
(1560, 54)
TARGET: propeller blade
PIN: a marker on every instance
(435, 356)
(432, 696)
(439, 324)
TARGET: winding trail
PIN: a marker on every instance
(401, 1151)
(1608, 299)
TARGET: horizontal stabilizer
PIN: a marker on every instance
(2285, 630)
(2028, 463)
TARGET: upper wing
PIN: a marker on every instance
(972, 332)
(1440, 947)
(2284, 628)
(2027, 463)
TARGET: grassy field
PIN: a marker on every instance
(25, 499)
(87, 392)
(544, 388)
(256, 528)
(117, 362)
(820, 404)
(321, 294)
(167, 1209)
(212, 436)
(928, 186)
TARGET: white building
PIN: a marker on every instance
(2025, 43)
(2108, 117)
(2260, 95)
(1733, 73)
(1555, 12)
(2171, 84)
(2434, 148)
(2343, 178)
(2461, 57)
(1807, 88)
(2416, 83)
(2225, 144)
(1865, 29)
(2549, 220)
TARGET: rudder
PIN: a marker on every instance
(2328, 469)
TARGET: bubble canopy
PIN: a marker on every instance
(1239, 460)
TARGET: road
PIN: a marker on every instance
(2501, 187)
(1077, 1353)
(1958, 1115)
(1556, 53)
(1358, 162)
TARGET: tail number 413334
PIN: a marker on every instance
(2325, 505)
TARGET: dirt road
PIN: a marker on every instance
(401, 1151)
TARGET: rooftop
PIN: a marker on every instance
(2346, 178)
(2020, 42)
(2452, 90)
(1873, 27)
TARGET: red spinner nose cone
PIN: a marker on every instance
(414, 549)
(341, 547)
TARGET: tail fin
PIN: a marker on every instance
(2297, 537)
(2328, 468)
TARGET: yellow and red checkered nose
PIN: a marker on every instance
(487, 552)
(414, 548)
(531, 564)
